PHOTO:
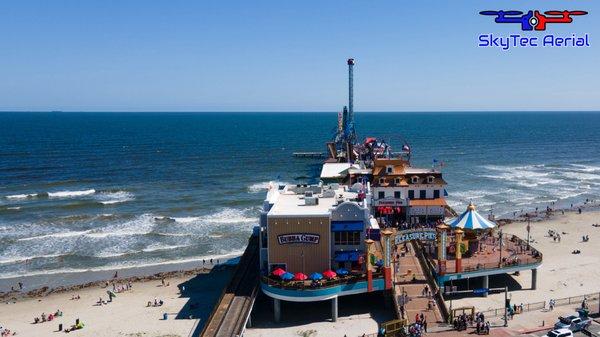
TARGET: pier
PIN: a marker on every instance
(309, 154)
(231, 314)
(410, 278)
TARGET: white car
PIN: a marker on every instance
(560, 333)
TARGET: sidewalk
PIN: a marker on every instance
(406, 270)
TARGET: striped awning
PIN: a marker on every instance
(470, 219)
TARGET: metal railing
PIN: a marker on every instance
(303, 285)
(526, 307)
(511, 243)
(541, 305)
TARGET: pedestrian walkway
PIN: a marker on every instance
(411, 291)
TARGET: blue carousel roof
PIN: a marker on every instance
(470, 219)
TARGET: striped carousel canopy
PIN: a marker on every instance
(470, 219)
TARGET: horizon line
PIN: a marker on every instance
(298, 111)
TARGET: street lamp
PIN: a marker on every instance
(528, 230)
(500, 238)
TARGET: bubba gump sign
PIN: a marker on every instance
(298, 238)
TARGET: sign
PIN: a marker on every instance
(443, 245)
(480, 291)
(533, 21)
(442, 267)
(298, 238)
(389, 202)
(415, 234)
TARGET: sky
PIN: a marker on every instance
(288, 56)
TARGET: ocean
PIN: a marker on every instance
(100, 191)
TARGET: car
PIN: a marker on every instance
(560, 333)
(573, 323)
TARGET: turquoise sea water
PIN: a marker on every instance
(104, 190)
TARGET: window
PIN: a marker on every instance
(422, 194)
(381, 181)
(414, 179)
(397, 181)
(436, 194)
(389, 169)
(397, 195)
(381, 194)
(346, 238)
(411, 194)
(430, 179)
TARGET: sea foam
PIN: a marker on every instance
(71, 194)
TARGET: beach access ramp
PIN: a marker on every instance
(232, 312)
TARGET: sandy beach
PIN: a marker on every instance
(188, 300)
(562, 273)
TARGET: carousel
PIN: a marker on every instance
(479, 250)
(463, 237)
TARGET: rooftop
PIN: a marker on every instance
(415, 170)
(336, 170)
(291, 200)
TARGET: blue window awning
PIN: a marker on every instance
(347, 226)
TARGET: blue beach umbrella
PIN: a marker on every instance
(341, 271)
(316, 276)
(287, 276)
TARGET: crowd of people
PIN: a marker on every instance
(6, 332)
(47, 318)
(462, 322)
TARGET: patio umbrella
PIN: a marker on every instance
(315, 276)
(341, 271)
(329, 274)
(287, 276)
(300, 276)
(278, 272)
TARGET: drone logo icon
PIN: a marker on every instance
(533, 19)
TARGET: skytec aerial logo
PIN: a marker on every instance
(533, 20)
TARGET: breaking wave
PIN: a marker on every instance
(21, 196)
(71, 194)
(110, 198)
(263, 186)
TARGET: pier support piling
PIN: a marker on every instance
(277, 310)
(334, 309)
(533, 279)
(486, 284)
